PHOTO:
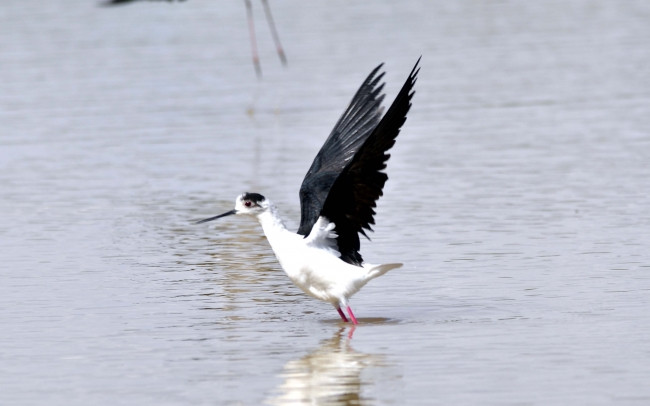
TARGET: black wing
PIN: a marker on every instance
(349, 133)
(348, 197)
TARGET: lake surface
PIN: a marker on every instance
(518, 201)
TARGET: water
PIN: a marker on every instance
(518, 201)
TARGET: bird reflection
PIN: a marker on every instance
(329, 375)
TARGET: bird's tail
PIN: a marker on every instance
(378, 270)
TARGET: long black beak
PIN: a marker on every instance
(228, 213)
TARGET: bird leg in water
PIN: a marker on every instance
(274, 32)
(251, 29)
(345, 319)
(354, 319)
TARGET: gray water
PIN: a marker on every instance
(517, 200)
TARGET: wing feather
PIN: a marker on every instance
(345, 186)
(351, 130)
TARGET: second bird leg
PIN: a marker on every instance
(354, 319)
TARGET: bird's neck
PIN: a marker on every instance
(271, 222)
(282, 241)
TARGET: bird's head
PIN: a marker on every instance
(252, 204)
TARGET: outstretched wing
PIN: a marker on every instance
(350, 193)
(350, 132)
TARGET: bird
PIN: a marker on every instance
(338, 198)
(251, 29)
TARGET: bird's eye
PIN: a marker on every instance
(248, 203)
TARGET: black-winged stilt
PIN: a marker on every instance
(337, 199)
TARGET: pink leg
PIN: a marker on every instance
(274, 32)
(251, 29)
(338, 309)
(354, 319)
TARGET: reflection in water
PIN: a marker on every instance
(329, 375)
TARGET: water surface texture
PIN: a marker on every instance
(518, 201)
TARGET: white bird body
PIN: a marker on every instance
(337, 199)
(313, 263)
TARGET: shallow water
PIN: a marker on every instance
(518, 201)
